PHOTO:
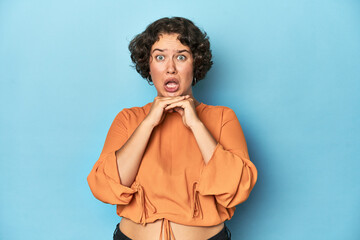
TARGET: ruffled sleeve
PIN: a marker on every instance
(104, 180)
(229, 175)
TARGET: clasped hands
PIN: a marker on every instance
(184, 105)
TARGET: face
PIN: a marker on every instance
(171, 67)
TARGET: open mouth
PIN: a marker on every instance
(171, 85)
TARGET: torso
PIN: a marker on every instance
(149, 169)
(151, 231)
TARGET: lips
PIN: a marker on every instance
(171, 85)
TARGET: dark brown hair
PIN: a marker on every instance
(189, 35)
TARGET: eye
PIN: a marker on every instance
(160, 57)
(181, 57)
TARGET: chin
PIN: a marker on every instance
(172, 94)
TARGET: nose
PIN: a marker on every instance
(171, 66)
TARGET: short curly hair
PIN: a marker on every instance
(189, 35)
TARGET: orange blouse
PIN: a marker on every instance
(173, 183)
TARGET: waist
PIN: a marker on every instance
(153, 230)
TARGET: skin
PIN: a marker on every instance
(169, 59)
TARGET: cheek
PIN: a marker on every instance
(188, 70)
(156, 68)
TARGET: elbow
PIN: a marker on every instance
(242, 191)
(246, 185)
(96, 188)
(108, 191)
(231, 200)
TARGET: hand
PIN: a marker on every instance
(157, 111)
(186, 108)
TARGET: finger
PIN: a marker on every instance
(170, 98)
(172, 101)
(180, 104)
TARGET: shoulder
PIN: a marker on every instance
(218, 111)
(133, 112)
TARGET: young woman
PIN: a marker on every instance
(176, 168)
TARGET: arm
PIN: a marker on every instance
(115, 171)
(104, 179)
(205, 140)
(229, 174)
(129, 156)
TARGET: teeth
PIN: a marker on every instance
(171, 85)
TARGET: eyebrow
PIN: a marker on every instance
(157, 49)
(181, 51)
(162, 50)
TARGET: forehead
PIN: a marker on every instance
(169, 42)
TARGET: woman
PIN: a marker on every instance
(175, 167)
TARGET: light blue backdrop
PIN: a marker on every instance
(289, 69)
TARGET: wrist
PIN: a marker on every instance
(146, 123)
(198, 124)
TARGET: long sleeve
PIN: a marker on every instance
(229, 174)
(104, 179)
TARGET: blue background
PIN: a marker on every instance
(289, 69)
